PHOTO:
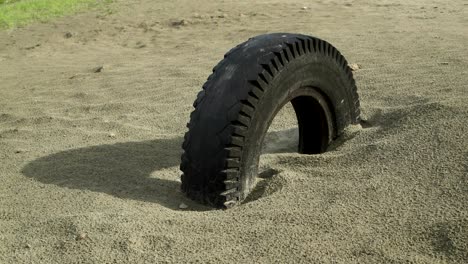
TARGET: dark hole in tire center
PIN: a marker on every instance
(310, 116)
(313, 125)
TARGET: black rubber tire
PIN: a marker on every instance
(242, 96)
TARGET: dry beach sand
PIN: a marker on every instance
(90, 157)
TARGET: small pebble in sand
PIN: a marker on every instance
(81, 236)
(181, 22)
(112, 135)
(68, 35)
(98, 69)
(33, 47)
(143, 25)
(27, 246)
(354, 66)
(304, 8)
(140, 45)
(183, 206)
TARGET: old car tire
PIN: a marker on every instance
(242, 96)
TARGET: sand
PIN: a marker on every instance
(90, 160)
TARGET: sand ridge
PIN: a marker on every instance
(89, 160)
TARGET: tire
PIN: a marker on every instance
(242, 96)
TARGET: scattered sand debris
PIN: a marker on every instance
(354, 66)
(33, 47)
(98, 69)
(140, 45)
(182, 22)
(81, 236)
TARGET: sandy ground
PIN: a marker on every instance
(89, 161)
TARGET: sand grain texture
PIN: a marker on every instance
(89, 158)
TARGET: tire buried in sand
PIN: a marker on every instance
(242, 96)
